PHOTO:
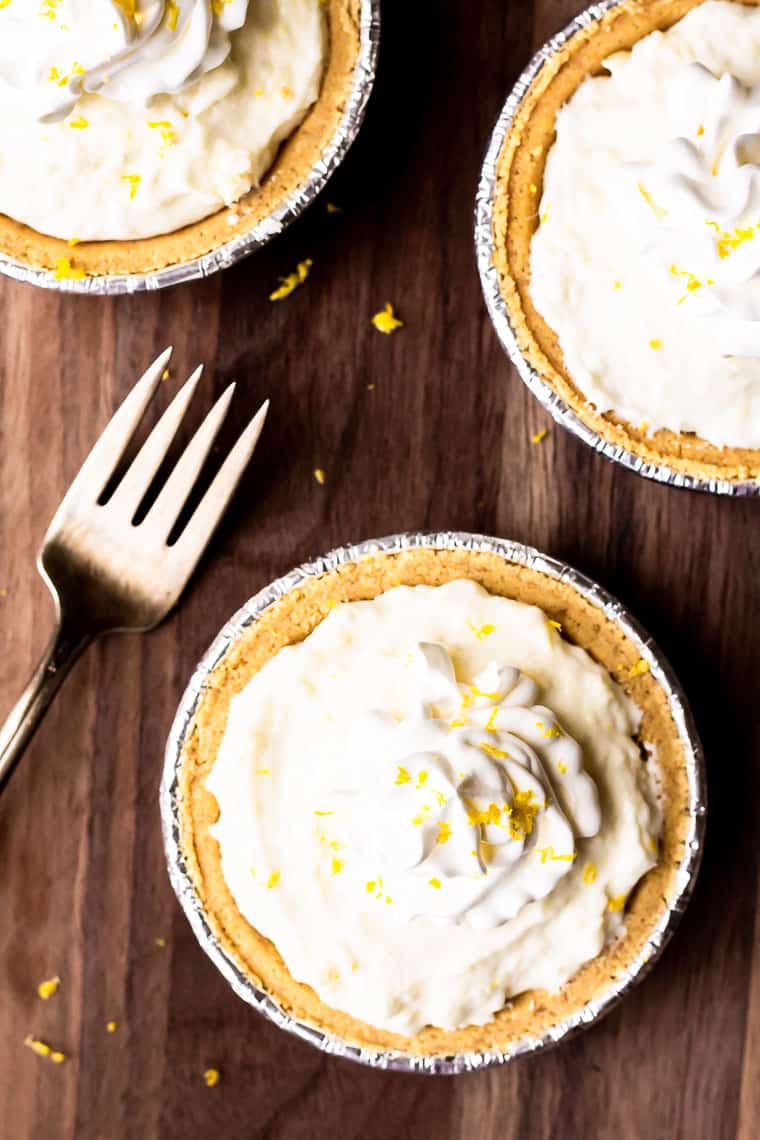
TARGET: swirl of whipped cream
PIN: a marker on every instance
(469, 808)
(54, 51)
(698, 207)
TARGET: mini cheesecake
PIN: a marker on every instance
(520, 209)
(295, 158)
(287, 625)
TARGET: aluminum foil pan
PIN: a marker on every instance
(489, 278)
(523, 556)
(225, 255)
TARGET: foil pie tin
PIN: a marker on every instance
(184, 887)
(286, 212)
(497, 308)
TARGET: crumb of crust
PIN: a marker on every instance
(386, 320)
(65, 271)
(160, 942)
(42, 1049)
(370, 387)
(292, 280)
(639, 669)
(47, 988)
(540, 436)
(110, 1027)
(3, 591)
(211, 1077)
(320, 476)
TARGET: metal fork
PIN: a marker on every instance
(106, 573)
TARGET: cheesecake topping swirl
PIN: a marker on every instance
(697, 204)
(53, 51)
(469, 807)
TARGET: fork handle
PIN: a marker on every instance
(64, 649)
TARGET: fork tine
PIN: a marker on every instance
(164, 513)
(142, 470)
(204, 521)
(101, 463)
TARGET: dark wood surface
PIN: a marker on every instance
(442, 440)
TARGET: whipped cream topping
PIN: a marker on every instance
(432, 803)
(125, 119)
(131, 50)
(668, 330)
(461, 787)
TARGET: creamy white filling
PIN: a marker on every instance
(185, 120)
(646, 261)
(420, 847)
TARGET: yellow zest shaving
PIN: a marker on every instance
(459, 722)
(47, 988)
(490, 725)
(522, 815)
(650, 201)
(617, 285)
(286, 92)
(729, 240)
(160, 942)
(421, 815)
(172, 11)
(333, 209)
(540, 436)
(386, 321)
(533, 188)
(292, 281)
(323, 813)
(494, 752)
(692, 283)
(133, 181)
(589, 874)
(217, 6)
(73, 241)
(554, 624)
(476, 692)
(403, 776)
(548, 733)
(44, 1050)
(616, 903)
(548, 854)
(656, 343)
(337, 865)
(168, 136)
(165, 374)
(561, 767)
(444, 833)
(639, 668)
(320, 476)
(422, 778)
(700, 130)
(79, 123)
(110, 1027)
(273, 880)
(211, 1077)
(262, 771)
(435, 883)
(492, 814)
(482, 631)
(65, 271)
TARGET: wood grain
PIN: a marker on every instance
(441, 440)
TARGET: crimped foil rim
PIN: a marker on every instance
(561, 412)
(184, 887)
(240, 246)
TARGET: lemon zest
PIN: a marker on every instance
(47, 988)
(386, 321)
(292, 280)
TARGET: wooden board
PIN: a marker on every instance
(429, 428)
